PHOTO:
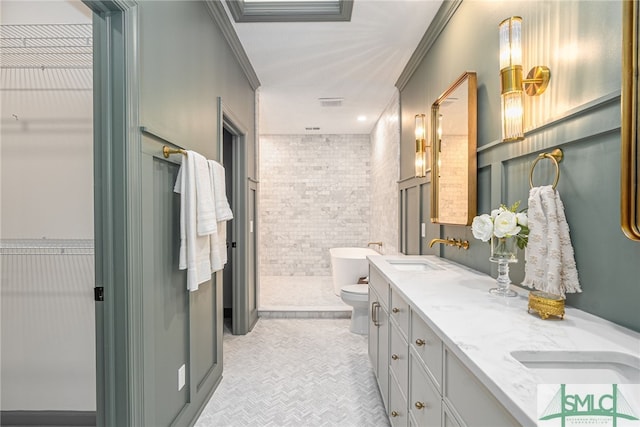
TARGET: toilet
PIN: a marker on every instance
(357, 296)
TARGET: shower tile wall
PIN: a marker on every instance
(315, 195)
(385, 166)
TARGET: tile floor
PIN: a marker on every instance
(300, 296)
(298, 373)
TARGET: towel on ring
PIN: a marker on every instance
(550, 264)
(223, 214)
(195, 249)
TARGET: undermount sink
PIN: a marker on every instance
(413, 265)
(581, 367)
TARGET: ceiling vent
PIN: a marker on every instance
(331, 102)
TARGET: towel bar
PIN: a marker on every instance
(167, 151)
(556, 156)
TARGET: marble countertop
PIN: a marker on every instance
(482, 330)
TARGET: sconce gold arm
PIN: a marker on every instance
(556, 157)
(537, 80)
(459, 243)
(167, 151)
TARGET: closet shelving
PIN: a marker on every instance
(46, 57)
(60, 46)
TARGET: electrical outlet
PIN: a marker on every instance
(423, 228)
(181, 377)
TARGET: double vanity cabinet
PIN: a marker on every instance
(421, 382)
(448, 353)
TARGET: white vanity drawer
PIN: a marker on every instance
(399, 358)
(399, 312)
(381, 286)
(397, 406)
(473, 403)
(428, 347)
(425, 403)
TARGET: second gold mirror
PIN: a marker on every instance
(453, 159)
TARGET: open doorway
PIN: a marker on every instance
(240, 278)
(48, 354)
(227, 275)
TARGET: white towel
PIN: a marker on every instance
(223, 214)
(550, 264)
(218, 183)
(205, 206)
(194, 249)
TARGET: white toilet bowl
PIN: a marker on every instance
(357, 296)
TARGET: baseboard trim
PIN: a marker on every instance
(47, 418)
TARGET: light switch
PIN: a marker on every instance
(423, 228)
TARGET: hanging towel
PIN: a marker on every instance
(223, 214)
(205, 206)
(218, 183)
(194, 249)
(550, 264)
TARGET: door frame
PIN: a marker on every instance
(117, 213)
(243, 317)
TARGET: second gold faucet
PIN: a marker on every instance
(459, 243)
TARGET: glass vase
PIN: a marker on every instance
(504, 251)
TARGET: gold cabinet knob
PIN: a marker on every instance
(396, 310)
(395, 356)
(394, 414)
(420, 405)
(420, 342)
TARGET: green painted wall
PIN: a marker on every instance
(186, 65)
(580, 112)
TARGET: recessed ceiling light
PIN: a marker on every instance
(362, 118)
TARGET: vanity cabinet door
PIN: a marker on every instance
(398, 414)
(469, 399)
(399, 312)
(380, 285)
(379, 343)
(428, 348)
(425, 403)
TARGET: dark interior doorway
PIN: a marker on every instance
(227, 274)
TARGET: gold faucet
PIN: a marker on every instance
(374, 243)
(459, 243)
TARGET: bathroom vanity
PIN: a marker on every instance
(447, 353)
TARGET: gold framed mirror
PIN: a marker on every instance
(453, 153)
(630, 153)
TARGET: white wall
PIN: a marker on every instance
(46, 161)
(315, 195)
(385, 170)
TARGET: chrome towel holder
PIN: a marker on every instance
(556, 157)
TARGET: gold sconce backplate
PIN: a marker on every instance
(537, 80)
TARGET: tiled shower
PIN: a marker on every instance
(318, 192)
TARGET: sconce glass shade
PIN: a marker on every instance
(512, 116)
(421, 154)
(512, 97)
(511, 42)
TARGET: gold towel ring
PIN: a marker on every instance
(556, 156)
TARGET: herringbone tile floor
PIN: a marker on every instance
(298, 373)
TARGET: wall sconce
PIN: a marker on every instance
(421, 146)
(511, 82)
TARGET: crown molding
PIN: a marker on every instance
(219, 15)
(446, 11)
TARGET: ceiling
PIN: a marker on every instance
(351, 66)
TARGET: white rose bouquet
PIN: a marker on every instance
(503, 222)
